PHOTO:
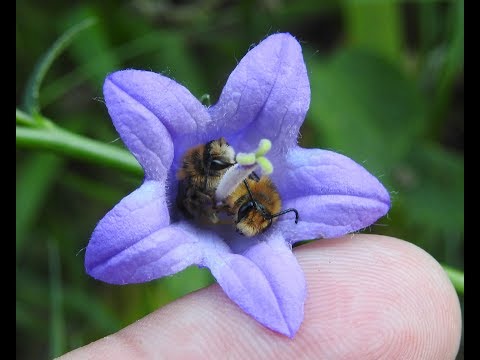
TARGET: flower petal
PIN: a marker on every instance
(151, 113)
(333, 195)
(265, 281)
(133, 242)
(266, 96)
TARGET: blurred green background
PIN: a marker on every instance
(387, 90)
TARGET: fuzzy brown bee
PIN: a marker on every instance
(255, 204)
(202, 169)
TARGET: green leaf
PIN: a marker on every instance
(34, 180)
(453, 64)
(363, 21)
(429, 206)
(91, 188)
(174, 58)
(365, 107)
(457, 39)
(57, 321)
(139, 46)
(25, 318)
(92, 44)
(32, 91)
(433, 191)
(456, 277)
(78, 303)
(186, 281)
(168, 289)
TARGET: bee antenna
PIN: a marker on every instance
(286, 211)
(254, 176)
(264, 213)
(259, 208)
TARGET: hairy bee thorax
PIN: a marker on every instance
(203, 165)
(200, 171)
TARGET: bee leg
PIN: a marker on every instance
(182, 201)
(201, 205)
(204, 198)
(207, 205)
(223, 207)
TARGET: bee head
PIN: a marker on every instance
(218, 156)
(252, 219)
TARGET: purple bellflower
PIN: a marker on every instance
(145, 236)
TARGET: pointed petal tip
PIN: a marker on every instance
(133, 77)
(124, 77)
(114, 76)
(272, 75)
(281, 326)
(334, 194)
(94, 270)
(291, 334)
(384, 198)
(265, 281)
(292, 329)
(282, 36)
(285, 329)
(163, 252)
(387, 201)
(286, 39)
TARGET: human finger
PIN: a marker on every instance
(368, 297)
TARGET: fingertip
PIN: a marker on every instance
(397, 300)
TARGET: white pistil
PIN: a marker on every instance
(232, 178)
(246, 164)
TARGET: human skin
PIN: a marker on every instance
(368, 297)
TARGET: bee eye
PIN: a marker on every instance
(244, 210)
(219, 165)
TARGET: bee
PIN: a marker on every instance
(255, 204)
(202, 168)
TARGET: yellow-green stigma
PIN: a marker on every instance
(263, 147)
(265, 164)
(258, 157)
(246, 158)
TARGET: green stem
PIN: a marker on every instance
(65, 142)
(456, 277)
(25, 119)
(32, 92)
